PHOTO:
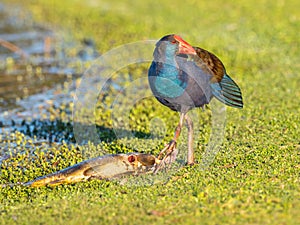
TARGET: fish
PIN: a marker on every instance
(105, 167)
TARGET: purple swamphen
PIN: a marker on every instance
(183, 77)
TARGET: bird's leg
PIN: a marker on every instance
(170, 147)
(190, 155)
(172, 144)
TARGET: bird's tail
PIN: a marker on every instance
(228, 92)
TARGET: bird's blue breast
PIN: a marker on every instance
(166, 80)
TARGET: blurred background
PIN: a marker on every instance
(44, 43)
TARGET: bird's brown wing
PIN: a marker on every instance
(210, 63)
(223, 87)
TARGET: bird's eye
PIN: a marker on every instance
(173, 41)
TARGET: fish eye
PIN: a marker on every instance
(131, 159)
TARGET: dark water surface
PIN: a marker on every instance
(40, 67)
(35, 58)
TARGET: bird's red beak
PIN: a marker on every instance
(184, 47)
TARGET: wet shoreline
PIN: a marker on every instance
(36, 60)
(40, 69)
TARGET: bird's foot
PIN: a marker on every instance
(191, 163)
(167, 156)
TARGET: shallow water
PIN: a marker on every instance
(35, 58)
(39, 70)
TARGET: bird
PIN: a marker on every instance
(183, 77)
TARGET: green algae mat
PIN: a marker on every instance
(253, 179)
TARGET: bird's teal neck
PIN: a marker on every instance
(167, 82)
(169, 64)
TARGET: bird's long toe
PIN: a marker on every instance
(167, 156)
